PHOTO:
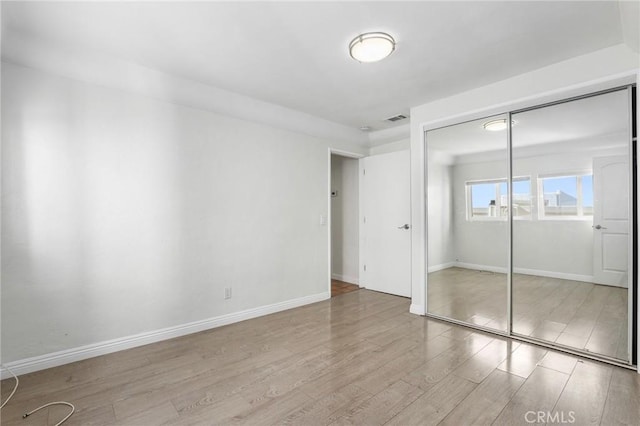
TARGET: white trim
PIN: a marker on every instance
(345, 278)
(526, 271)
(583, 88)
(417, 309)
(348, 154)
(362, 230)
(552, 274)
(440, 267)
(477, 267)
(67, 356)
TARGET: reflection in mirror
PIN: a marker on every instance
(467, 222)
(571, 224)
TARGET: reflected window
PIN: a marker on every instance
(521, 198)
(566, 196)
(483, 200)
(488, 200)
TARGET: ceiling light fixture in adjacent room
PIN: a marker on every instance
(371, 47)
(497, 125)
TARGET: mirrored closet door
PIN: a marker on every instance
(467, 229)
(530, 224)
(571, 224)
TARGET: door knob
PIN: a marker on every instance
(599, 227)
(405, 226)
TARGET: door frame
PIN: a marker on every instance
(348, 154)
(634, 253)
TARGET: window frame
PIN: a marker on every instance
(578, 175)
(498, 198)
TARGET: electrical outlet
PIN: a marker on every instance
(227, 292)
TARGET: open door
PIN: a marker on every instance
(386, 224)
(611, 220)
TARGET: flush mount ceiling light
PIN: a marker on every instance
(371, 47)
(497, 125)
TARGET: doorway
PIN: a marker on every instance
(345, 235)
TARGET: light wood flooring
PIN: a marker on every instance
(359, 358)
(340, 287)
(581, 315)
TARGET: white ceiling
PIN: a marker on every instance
(294, 54)
(598, 120)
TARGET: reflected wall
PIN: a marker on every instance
(468, 223)
(571, 249)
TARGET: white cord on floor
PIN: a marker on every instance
(15, 388)
(70, 405)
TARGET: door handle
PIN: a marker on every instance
(405, 226)
(598, 227)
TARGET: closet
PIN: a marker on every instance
(530, 224)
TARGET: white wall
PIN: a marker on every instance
(400, 145)
(440, 212)
(96, 67)
(123, 214)
(477, 242)
(554, 246)
(563, 247)
(345, 257)
(606, 68)
(560, 248)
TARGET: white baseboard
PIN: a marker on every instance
(526, 271)
(345, 278)
(551, 274)
(440, 267)
(477, 267)
(67, 356)
(416, 309)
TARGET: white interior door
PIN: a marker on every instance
(386, 223)
(611, 220)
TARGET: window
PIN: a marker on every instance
(521, 198)
(482, 199)
(488, 200)
(566, 196)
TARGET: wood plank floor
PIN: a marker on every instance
(358, 358)
(581, 315)
(340, 287)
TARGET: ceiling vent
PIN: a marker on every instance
(397, 118)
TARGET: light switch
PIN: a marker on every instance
(323, 219)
